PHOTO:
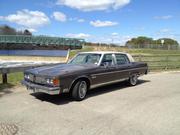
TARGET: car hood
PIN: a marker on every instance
(60, 69)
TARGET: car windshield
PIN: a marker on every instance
(86, 59)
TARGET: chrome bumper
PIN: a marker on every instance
(39, 88)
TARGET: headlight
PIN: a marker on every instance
(54, 82)
(26, 76)
(49, 81)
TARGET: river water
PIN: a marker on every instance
(60, 53)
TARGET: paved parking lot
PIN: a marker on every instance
(150, 108)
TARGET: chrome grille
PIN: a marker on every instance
(40, 80)
(36, 79)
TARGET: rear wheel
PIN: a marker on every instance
(79, 90)
(133, 79)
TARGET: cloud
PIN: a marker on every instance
(99, 23)
(79, 35)
(141, 28)
(59, 16)
(26, 18)
(166, 33)
(165, 30)
(80, 20)
(1, 18)
(32, 30)
(91, 5)
(46, 4)
(114, 38)
(166, 17)
(114, 34)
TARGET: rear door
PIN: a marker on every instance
(123, 66)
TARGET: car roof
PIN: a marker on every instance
(103, 52)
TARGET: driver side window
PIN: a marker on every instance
(107, 60)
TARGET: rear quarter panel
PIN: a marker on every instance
(139, 68)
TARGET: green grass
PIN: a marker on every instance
(13, 80)
(154, 52)
(131, 51)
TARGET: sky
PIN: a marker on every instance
(107, 21)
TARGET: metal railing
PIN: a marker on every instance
(40, 40)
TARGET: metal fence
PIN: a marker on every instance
(155, 46)
(160, 62)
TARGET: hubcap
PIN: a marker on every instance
(134, 79)
(82, 89)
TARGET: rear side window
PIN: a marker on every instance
(108, 59)
(121, 59)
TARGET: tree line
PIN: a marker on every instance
(146, 42)
(7, 30)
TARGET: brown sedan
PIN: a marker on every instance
(85, 71)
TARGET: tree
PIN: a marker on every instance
(27, 32)
(7, 30)
(140, 42)
(168, 43)
(146, 42)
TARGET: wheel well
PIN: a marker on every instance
(82, 78)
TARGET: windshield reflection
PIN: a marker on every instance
(86, 59)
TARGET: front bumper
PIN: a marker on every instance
(39, 88)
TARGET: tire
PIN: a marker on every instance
(133, 79)
(79, 90)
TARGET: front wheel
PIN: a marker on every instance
(79, 90)
(133, 79)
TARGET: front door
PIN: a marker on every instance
(106, 71)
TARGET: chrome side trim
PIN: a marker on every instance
(107, 83)
(117, 71)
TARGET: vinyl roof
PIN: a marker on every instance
(104, 52)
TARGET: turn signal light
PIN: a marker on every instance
(56, 82)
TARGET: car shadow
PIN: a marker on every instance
(55, 99)
(65, 98)
(111, 88)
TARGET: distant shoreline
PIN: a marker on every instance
(32, 59)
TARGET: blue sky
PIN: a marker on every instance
(97, 21)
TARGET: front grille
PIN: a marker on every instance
(40, 80)
(36, 79)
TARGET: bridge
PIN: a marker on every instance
(42, 40)
(24, 45)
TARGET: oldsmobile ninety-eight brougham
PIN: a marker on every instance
(85, 71)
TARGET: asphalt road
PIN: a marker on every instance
(150, 108)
